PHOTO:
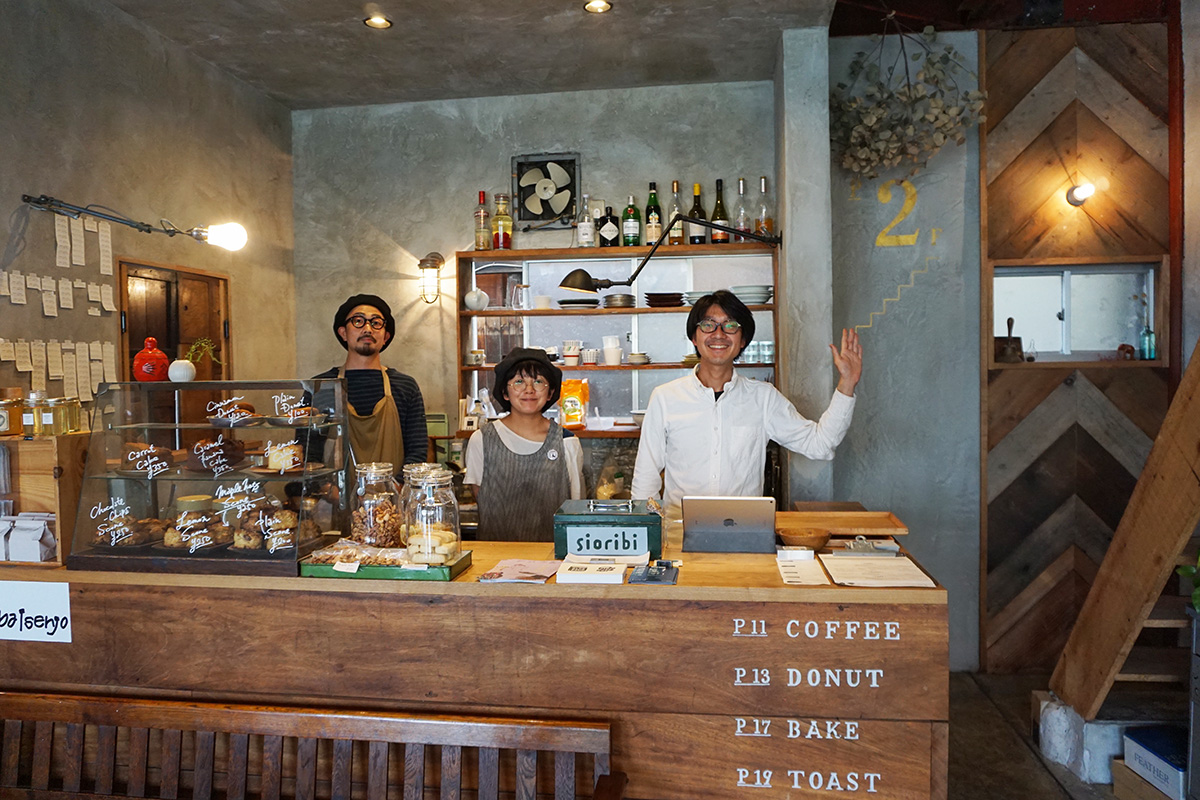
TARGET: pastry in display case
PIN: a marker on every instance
(224, 477)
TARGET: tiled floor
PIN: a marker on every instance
(992, 753)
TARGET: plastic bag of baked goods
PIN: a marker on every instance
(574, 402)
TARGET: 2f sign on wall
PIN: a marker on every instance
(35, 612)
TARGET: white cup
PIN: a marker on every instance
(475, 358)
(589, 355)
(571, 361)
(541, 301)
(612, 356)
(571, 347)
(612, 341)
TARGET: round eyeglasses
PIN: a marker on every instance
(537, 384)
(358, 321)
(710, 325)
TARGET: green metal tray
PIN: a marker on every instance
(440, 572)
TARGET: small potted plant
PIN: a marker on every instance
(184, 369)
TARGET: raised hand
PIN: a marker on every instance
(848, 362)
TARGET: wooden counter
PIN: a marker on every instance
(730, 684)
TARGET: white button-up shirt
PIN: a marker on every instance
(711, 446)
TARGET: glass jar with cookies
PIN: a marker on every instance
(375, 516)
(431, 519)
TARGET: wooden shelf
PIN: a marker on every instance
(603, 253)
(1155, 665)
(572, 312)
(1169, 612)
(1096, 363)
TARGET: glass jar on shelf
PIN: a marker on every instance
(10, 416)
(432, 520)
(375, 516)
(34, 415)
(58, 416)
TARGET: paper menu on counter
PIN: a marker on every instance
(869, 571)
(520, 570)
(802, 573)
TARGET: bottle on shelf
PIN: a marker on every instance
(483, 225)
(741, 214)
(676, 234)
(631, 225)
(585, 226)
(502, 224)
(610, 228)
(764, 210)
(720, 215)
(697, 234)
(653, 215)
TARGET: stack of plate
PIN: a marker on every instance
(691, 360)
(620, 301)
(638, 358)
(664, 299)
(579, 302)
(753, 294)
(690, 298)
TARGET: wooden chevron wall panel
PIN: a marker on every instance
(1065, 445)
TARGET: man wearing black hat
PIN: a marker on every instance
(387, 417)
(523, 466)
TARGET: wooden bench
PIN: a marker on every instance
(66, 746)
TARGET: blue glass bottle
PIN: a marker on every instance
(1149, 348)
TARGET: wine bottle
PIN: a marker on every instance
(764, 212)
(720, 216)
(631, 225)
(585, 226)
(610, 229)
(696, 233)
(653, 215)
(483, 228)
(741, 215)
(502, 224)
(676, 234)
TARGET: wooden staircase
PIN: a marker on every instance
(1153, 538)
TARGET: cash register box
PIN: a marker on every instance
(607, 528)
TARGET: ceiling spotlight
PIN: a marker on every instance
(378, 22)
(597, 6)
(1077, 194)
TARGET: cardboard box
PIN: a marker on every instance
(1159, 753)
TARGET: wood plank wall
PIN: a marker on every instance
(1065, 446)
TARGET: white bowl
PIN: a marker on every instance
(638, 416)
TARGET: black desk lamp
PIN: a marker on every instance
(580, 280)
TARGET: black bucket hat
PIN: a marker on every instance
(515, 359)
(389, 322)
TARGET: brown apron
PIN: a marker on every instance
(377, 436)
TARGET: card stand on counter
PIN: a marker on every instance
(215, 477)
(416, 572)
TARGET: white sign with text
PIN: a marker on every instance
(35, 612)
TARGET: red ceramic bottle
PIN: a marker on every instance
(151, 363)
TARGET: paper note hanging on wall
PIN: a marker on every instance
(106, 262)
(3, 283)
(24, 357)
(83, 376)
(80, 283)
(66, 295)
(93, 311)
(69, 379)
(110, 362)
(93, 292)
(89, 223)
(54, 361)
(62, 241)
(106, 298)
(96, 349)
(50, 304)
(8, 351)
(77, 242)
(97, 376)
(16, 288)
(33, 282)
(37, 380)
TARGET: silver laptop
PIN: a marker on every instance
(729, 524)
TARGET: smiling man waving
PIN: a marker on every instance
(706, 433)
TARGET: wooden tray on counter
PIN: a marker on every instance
(842, 523)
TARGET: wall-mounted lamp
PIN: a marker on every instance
(580, 280)
(229, 235)
(597, 6)
(427, 283)
(1076, 195)
(375, 18)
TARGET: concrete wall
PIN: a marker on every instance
(378, 187)
(95, 108)
(914, 445)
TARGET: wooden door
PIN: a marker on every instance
(177, 306)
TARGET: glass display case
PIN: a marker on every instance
(226, 477)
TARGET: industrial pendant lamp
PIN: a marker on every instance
(229, 235)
